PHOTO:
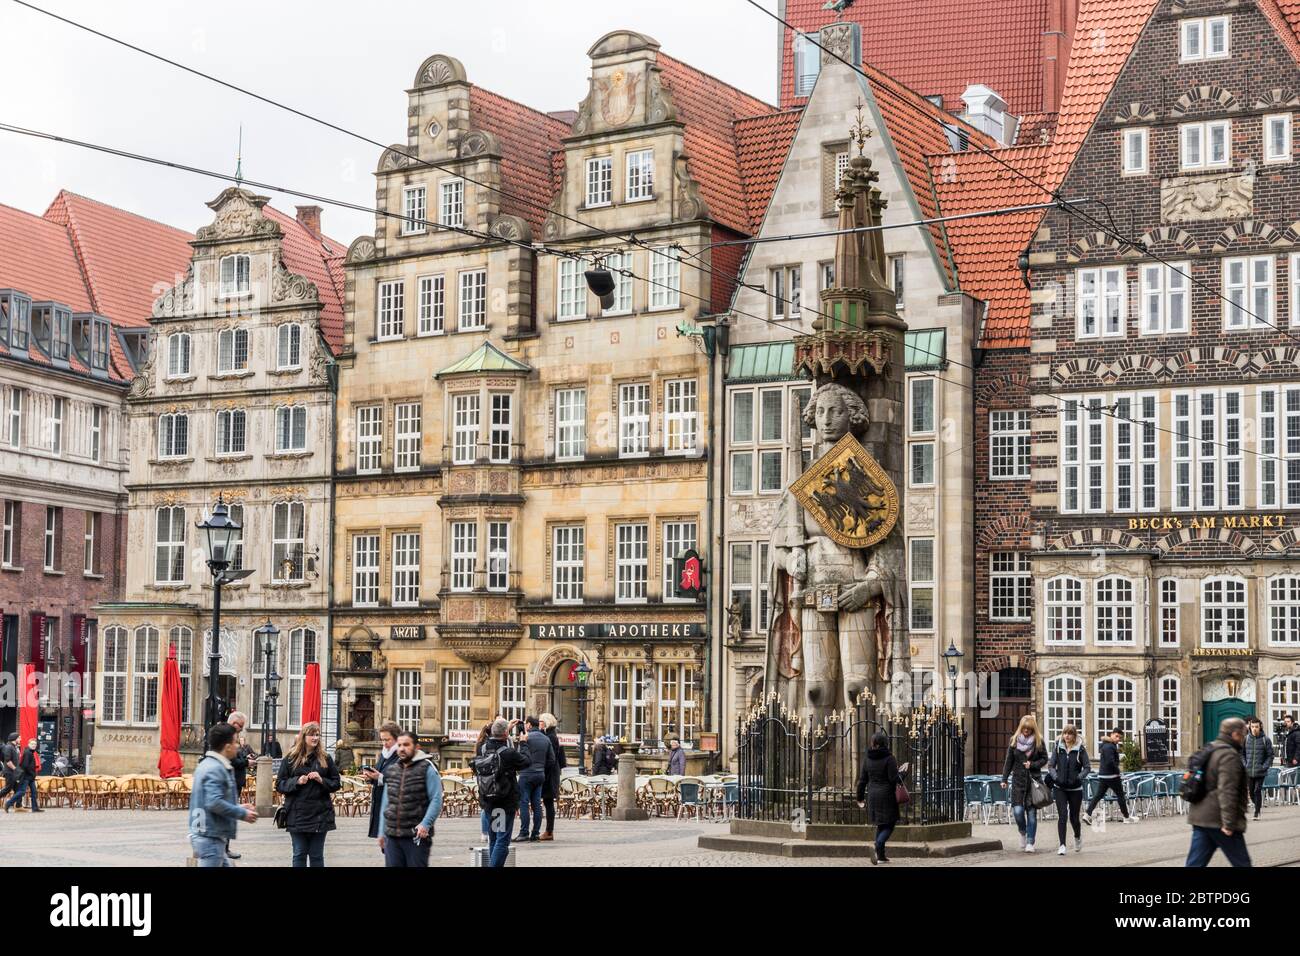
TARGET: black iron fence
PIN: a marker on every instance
(796, 772)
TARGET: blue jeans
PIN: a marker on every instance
(1026, 821)
(210, 851)
(483, 819)
(403, 852)
(530, 798)
(499, 840)
(882, 837)
(24, 783)
(1205, 840)
(308, 847)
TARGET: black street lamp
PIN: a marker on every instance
(952, 656)
(220, 532)
(582, 676)
(268, 633)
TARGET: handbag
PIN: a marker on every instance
(281, 818)
(1039, 795)
(900, 793)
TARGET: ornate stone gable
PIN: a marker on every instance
(239, 216)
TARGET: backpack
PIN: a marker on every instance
(492, 784)
(1193, 787)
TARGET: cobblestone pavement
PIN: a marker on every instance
(65, 837)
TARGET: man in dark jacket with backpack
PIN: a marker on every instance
(495, 772)
(1218, 798)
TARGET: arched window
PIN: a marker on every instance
(1170, 709)
(1223, 612)
(1014, 684)
(1064, 607)
(114, 666)
(1064, 704)
(1284, 610)
(1113, 612)
(1116, 707)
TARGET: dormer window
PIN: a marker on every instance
(90, 341)
(15, 319)
(53, 329)
(136, 344)
(234, 276)
(1203, 38)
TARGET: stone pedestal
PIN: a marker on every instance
(265, 787)
(626, 808)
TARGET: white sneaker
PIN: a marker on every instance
(1023, 841)
(1029, 848)
(1061, 851)
(1086, 818)
(1131, 818)
(1078, 844)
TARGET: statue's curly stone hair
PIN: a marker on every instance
(858, 417)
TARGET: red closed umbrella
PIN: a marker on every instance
(27, 705)
(169, 719)
(311, 696)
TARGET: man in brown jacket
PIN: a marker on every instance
(1219, 819)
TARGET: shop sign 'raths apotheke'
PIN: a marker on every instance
(616, 631)
(1233, 522)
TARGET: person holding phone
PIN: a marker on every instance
(308, 780)
(411, 803)
(388, 732)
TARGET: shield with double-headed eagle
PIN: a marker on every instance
(849, 494)
(617, 96)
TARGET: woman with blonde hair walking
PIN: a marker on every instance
(1026, 756)
(308, 779)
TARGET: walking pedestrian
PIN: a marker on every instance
(496, 773)
(28, 764)
(532, 779)
(676, 758)
(1290, 741)
(1026, 756)
(388, 733)
(603, 760)
(239, 762)
(1218, 820)
(1108, 775)
(215, 810)
(551, 789)
(9, 764)
(308, 780)
(1068, 767)
(411, 803)
(1257, 755)
(878, 790)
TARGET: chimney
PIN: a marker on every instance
(986, 111)
(309, 219)
(1057, 40)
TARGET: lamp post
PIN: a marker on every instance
(952, 656)
(268, 633)
(219, 533)
(582, 675)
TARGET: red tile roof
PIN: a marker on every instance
(939, 46)
(1285, 17)
(762, 143)
(37, 258)
(315, 259)
(1035, 129)
(528, 139)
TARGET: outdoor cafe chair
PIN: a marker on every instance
(997, 800)
(690, 797)
(730, 798)
(1287, 783)
(975, 805)
(664, 796)
(1272, 787)
(1144, 794)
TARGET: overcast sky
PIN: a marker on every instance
(349, 63)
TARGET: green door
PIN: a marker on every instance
(1216, 711)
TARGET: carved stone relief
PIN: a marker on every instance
(1200, 199)
(362, 249)
(288, 287)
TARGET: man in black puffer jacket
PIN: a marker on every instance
(496, 769)
(411, 803)
(1108, 775)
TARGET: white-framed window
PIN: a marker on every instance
(414, 209)
(472, 302)
(406, 569)
(1124, 453)
(498, 555)
(634, 420)
(370, 438)
(665, 279)
(178, 355)
(53, 536)
(1283, 699)
(183, 640)
(681, 416)
(290, 428)
(512, 693)
(456, 699)
(1284, 610)
(234, 276)
(114, 669)
(169, 546)
(571, 293)
(570, 423)
(632, 562)
(501, 447)
(568, 563)
(1223, 612)
(302, 651)
(1205, 145)
(410, 689)
(57, 407)
(1064, 704)
(1009, 442)
(231, 432)
(9, 556)
(1148, 452)
(921, 422)
(1063, 605)
(465, 428)
(897, 266)
(600, 181)
(742, 583)
(1279, 415)
(365, 570)
(627, 710)
(392, 309)
(676, 708)
(921, 583)
(232, 351)
(1083, 455)
(807, 64)
(173, 435)
(1011, 586)
(144, 673)
(639, 181)
(1100, 302)
(1170, 605)
(14, 420)
(1277, 138)
(1135, 152)
(288, 541)
(679, 536)
(1248, 288)
(1115, 706)
(742, 434)
(620, 268)
(921, 465)
(1165, 303)
(785, 285)
(406, 436)
(1203, 38)
(288, 353)
(1170, 690)
(451, 203)
(431, 305)
(1183, 411)
(464, 554)
(1114, 611)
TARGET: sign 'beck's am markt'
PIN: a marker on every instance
(1230, 522)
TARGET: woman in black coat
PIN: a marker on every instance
(551, 787)
(877, 786)
(308, 779)
(1026, 757)
(1068, 769)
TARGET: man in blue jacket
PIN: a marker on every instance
(214, 809)
(411, 803)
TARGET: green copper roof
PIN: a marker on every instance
(924, 349)
(486, 358)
